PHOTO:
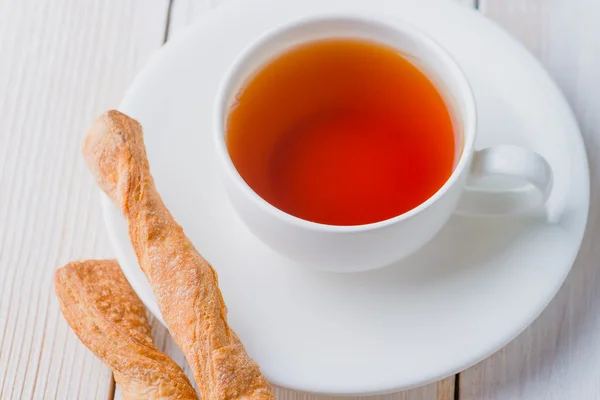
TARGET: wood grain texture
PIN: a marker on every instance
(62, 63)
(558, 357)
(183, 12)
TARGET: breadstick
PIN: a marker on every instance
(184, 283)
(110, 320)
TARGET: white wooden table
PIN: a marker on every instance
(63, 62)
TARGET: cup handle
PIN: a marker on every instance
(529, 175)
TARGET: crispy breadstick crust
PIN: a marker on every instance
(184, 283)
(110, 320)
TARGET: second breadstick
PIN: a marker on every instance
(110, 320)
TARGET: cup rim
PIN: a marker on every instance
(469, 119)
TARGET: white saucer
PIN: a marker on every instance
(461, 298)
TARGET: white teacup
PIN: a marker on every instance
(472, 188)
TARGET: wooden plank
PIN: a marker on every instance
(62, 63)
(466, 3)
(183, 12)
(557, 357)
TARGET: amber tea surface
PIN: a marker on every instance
(341, 132)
